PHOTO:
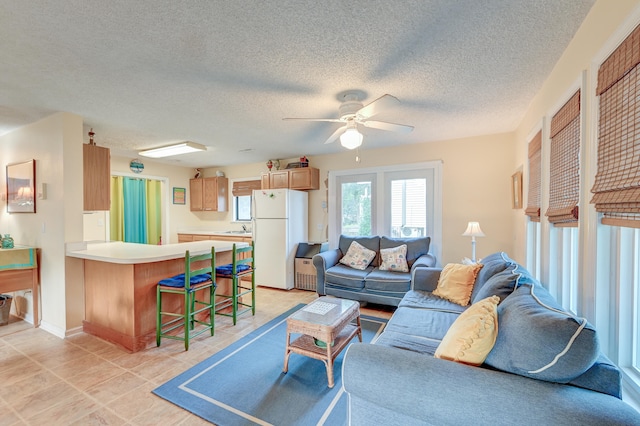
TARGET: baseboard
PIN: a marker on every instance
(73, 331)
(53, 329)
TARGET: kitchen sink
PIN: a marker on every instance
(237, 232)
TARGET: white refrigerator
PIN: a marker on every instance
(280, 219)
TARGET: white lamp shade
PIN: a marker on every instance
(351, 138)
(473, 230)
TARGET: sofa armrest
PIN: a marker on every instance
(423, 389)
(424, 277)
(322, 262)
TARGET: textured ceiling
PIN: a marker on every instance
(147, 73)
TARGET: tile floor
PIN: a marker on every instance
(83, 380)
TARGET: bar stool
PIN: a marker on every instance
(194, 279)
(242, 265)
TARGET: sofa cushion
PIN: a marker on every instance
(416, 247)
(394, 259)
(538, 339)
(419, 330)
(345, 276)
(456, 282)
(372, 243)
(492, 264)
(472, 335)
(501, 284)
(419, 299)
(378, 280)
(358, 256)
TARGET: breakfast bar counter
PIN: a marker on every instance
(120, 285)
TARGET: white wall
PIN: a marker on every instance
(55, 143)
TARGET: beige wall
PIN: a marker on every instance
(53, 142)
(476, 186)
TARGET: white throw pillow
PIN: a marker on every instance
(394, 259)
(358, 256)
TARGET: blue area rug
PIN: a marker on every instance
(243, 384)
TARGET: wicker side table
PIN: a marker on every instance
(327, 319)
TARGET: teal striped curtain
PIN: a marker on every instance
(136, 217)
(135, 210)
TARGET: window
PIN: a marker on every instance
(242, 191)
(408, 207)
(396, 201)
(242, 208)
(355, 193)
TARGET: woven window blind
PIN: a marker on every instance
(617, 182)
(535, 178)
(245, 187)
(564, 182)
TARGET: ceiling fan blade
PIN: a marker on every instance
(330, 120)
(336, 134)
(377, 106)
(391, 127)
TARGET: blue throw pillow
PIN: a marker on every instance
(538, 339)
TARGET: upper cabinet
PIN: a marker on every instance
(97, 177)
(209, 194)
(302, 179)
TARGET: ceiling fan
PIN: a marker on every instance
(352, 113)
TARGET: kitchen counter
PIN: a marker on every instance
(199, 235)
(131, 253)
(120, 282)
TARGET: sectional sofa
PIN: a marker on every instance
(545, 367)
(371, 284)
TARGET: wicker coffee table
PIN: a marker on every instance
(327, 319)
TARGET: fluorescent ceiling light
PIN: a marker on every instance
(176, 149)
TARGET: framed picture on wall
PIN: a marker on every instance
(21, 187)
(516, 190)
(179, 195)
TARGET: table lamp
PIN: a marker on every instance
(473, 230)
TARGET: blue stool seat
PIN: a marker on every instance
(228, 269)
(178, 280)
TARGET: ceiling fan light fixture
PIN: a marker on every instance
(351, 138)
(176, 149)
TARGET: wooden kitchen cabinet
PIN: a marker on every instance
(209, 194)
(96, 163)
(302, 179)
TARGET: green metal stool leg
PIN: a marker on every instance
(158, 315)
(187, 319)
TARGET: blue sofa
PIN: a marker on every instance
(398, 381)
(372, 284)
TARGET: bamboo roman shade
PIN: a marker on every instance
(617, 181)
(245, 187)
(564, 182)
(535, 178)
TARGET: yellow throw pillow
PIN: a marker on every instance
(456, 282)
(473, 334)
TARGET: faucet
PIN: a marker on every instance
(244, 227)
